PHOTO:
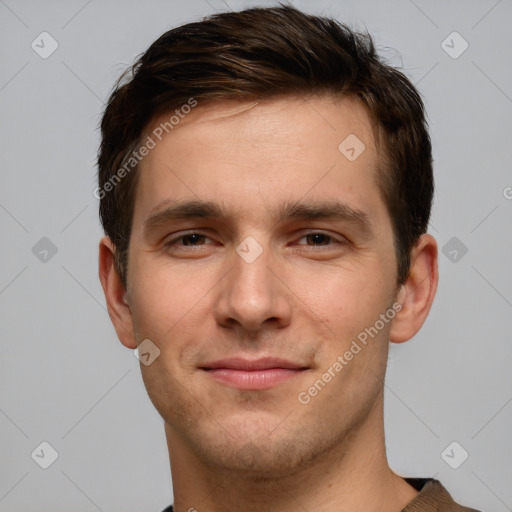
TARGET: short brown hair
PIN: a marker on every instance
(264, 53)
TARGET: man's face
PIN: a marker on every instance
(269, 279)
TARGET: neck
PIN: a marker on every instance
(353, 475)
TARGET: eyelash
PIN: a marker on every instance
(174, 241)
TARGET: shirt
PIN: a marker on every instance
(433, 497)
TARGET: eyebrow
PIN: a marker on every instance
(171, 210)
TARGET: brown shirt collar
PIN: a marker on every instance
(433, 497)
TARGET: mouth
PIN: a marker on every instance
(256, 374)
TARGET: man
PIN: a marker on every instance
(265, 186)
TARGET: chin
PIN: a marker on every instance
(258, 458)
(261, 449)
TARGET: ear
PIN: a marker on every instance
(115, 294)
(417, 293)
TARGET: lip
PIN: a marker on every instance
(263, 363)
(263, 373)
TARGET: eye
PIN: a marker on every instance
(188, 239)
(315, 239)
(319, 239)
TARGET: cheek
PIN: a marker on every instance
(347, 297)
(152, 310)
(171, 306)
(158, 299)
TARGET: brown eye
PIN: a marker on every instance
(194, 238)
(318, 239)
(187, 240)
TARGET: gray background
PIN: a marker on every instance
(65, 378)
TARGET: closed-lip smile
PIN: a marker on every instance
(255, 374)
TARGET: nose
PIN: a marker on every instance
(252, 296)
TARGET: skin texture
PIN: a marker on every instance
(304, 299)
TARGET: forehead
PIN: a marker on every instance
(260, 152)
(295, 116)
